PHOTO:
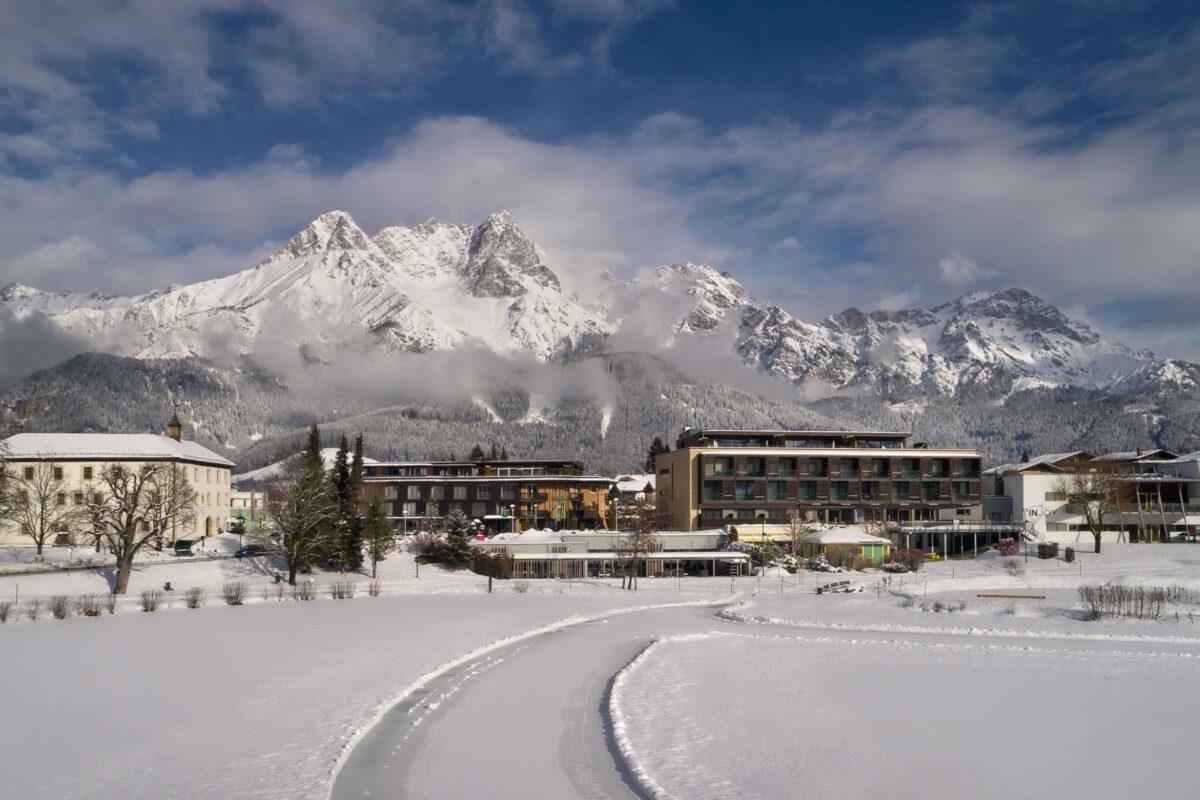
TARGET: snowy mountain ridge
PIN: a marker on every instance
(441, 286)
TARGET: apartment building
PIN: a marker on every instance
(1157, 499)
(504, 495)
(717, 477)
(78, 458)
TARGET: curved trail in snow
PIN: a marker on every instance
(528, 719)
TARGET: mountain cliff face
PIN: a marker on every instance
(445, 287)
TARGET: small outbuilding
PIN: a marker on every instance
(835, 543)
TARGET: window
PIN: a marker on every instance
(754, 466)
(961, 490)
(879, 468)
(60, 499)
(414, 492)
(745, 513)
(818, 467)
(58, 473)
(460, 493)
(431, 509)
(483, 492)
(79, 498)
(787, 467)
(849, 468)
(900, 490)
(145, 525)
(713, 513)
(508, 491)
(962, 512)
(408, 510)
(777, 490)
(478, 509)
(744, 490)
(806, 490)
(929, 491)
(29, 473)
(437, 492)
(716, 467)
(870, 491)
(713, 490)
(839, 490)
(87, 473)
(392, 493)
(1052, 496)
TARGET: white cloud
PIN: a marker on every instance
(956, 268)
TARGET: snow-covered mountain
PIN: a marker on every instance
(439, 286)
(433, 286)
(1002, 340)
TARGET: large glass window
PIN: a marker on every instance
(776, 490)
(787, 467)
(713, 490)
(483, 492)
(818, 467)
(839, 490)
(754, 466)
(744, 490)
(413, 492)
(507, 491)
(900, 490)
(806, 490)
(849, 468)
(478, 509)
(962, 490)
(929, 491)
(437, 492)
(408, 510)
(460, 492)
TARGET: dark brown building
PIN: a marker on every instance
(505, 495)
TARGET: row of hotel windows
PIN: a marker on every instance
(62, 498)
(468, 471)
(714, 491)
(89, 473)
(432, 509)
(482, 492)
(756, 466)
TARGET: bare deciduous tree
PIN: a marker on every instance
(1095, 491)
(131, 507)
(798, 528)
(38, 502)
(303, 509)
(632, 550)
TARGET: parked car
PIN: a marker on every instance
(183, 547)
(251, 550)
(237, 525)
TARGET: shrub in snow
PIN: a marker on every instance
(5, 610)
(1014, 568)
(1139, 602)
(910, 557)
(195, 597)
(151, 598)
(1069, 555)
(234, 593)
(819, 563)
(520, 587)
(60, 606)
(1008, 547)
(862, 563)
(894, 566)
(33, 609)
(305, 590)
(342, 590)
(374, 588)
(110, 603)
(88, 605)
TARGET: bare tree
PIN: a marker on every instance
(38, 502)
(303, 510)
(377, 534)
(1095, 491)
(632, 549)
(798, 528)
(130, 508)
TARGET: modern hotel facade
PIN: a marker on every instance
(719, 477)
(504, 495)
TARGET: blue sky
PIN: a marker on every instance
(878, 154)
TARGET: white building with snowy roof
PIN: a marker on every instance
(76, 460)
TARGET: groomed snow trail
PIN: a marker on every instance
(528, 720)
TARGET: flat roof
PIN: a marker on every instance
(681, 555)
(486, 478)
(740, 432)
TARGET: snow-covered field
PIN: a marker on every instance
(873, 692)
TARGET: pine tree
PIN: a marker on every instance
(378, 534)
(656, 447)
(455, 551)
(504, 454)
(352, 511)
(477, 454)
(493, 454)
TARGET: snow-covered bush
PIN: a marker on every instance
(342, 590)
(88, 605)
(60, 606)
(195, 597)
(862, 563)
(895, 567)
(1008, 547)
(1014, 568)
(305, 590)
(234, 593)
(374, 588)
(5, 610)
(33, 609)
(110, 603)
(521, 587)
(910, 557)
(151, 598)
(819, 563)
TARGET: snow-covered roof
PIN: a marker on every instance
(670, 555)
(116, 446)
(328, 456)
(1136, 455)
(1186, 458)
(843, 534)
(635, 483)
(1036, 462)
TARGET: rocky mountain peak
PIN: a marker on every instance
(331, 232)
(502, 261)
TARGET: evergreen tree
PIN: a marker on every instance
(455, 551)
(377, 533)
(494, 454)
(656, 447)
(352, 510)
(477, 454)
(504, 454)
(311, 455)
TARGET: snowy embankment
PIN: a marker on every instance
(837, 717)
